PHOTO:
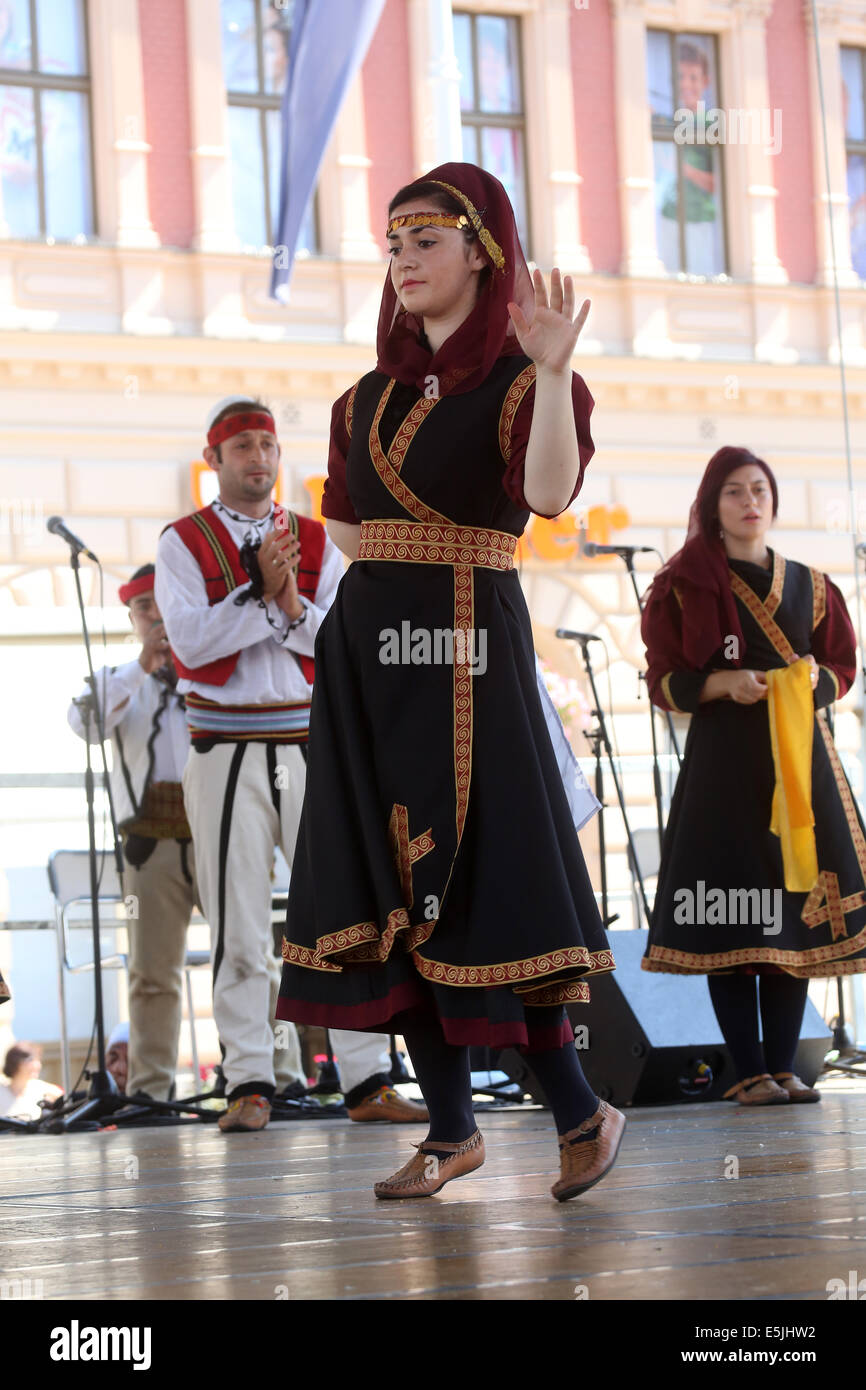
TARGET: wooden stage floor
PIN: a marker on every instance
(188, 1213)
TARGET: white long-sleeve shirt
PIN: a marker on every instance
(130, 699)
(266, 672)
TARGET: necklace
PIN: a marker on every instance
(251, 522)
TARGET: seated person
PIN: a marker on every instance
(22, 1090)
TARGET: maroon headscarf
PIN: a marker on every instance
(700, 569)
(466, 357)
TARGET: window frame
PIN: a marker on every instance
(855, 147)
(476, 119)
(264, 102)
(39, 82)
(662, 128)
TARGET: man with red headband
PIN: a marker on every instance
(244, 586)
(144, 714)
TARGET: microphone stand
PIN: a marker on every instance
(103, 1099)
(601, 734)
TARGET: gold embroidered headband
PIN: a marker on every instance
(493, 250)
(444, 219)
(427, 219)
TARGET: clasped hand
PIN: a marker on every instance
(747, 687)
(278, 557)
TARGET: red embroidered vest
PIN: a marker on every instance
(207, 538)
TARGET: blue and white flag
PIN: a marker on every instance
(327, 45)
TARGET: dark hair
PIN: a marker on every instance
(690, 53)
(442, 201)
(238, 408)
(724, 462)
(143, 571)
(19, 1054)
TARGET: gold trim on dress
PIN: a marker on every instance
(387, 472)
(515, 972)
(350, 407)
(407, 851)
(774, 597)
(513, 396)
(834, 678)
(819, 597)
(574, 993)
(666, 691)
(310, 960)
(767, 624)
(420, 543)
(818, 960)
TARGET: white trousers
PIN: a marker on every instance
(242, 800)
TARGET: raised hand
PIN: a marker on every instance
(550, 336)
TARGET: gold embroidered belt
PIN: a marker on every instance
(437, 544)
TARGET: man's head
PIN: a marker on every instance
(242, 450)
(139, 598)
(117, 1056)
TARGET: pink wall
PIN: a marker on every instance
(788, 79)
(595, 131)
(388, 104)
(166, 107)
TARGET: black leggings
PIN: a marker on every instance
(782, 1001)
(442, 1072)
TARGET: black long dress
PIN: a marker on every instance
(718, 835)
(437, 866)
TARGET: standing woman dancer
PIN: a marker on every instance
(722, 615)
(439, 890)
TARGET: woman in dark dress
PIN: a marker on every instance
(731, 629)
(438, 889)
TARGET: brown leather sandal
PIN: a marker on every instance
(426, 1173)
(757, 1090)
(798, 1091)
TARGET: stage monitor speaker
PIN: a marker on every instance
(652, 1039)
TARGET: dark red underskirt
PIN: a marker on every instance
(408, 1000)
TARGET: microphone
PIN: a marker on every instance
(578, 636)
(55, 525)
(590, 548)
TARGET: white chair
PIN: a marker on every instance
(69, 880)
(648, 851)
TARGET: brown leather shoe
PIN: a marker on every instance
(583, 1165)
(798, 1091)
(247, 1112)
(757, 1090)
(425, 1173)
(388, 1104)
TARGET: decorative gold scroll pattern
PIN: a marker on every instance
(407, 851)
(387, 539)
(513, 396)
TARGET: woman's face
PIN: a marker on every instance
(746, 503)
(430, 268)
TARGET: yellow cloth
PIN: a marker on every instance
(792, 722)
